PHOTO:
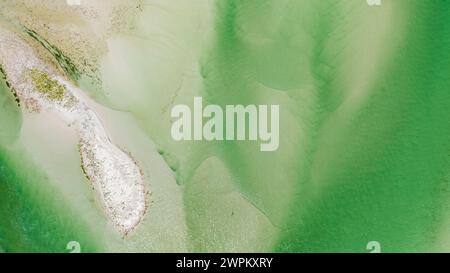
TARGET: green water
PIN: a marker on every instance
(34, 218)
(386, 178)
(364, 132)
(364, 143)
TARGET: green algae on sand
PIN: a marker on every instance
(52, 89)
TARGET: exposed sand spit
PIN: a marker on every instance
(116, 177)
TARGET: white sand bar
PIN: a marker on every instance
(116, 177)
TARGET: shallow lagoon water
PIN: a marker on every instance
(364, 143)
(335, 69)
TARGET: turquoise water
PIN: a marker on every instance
(364, 132)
